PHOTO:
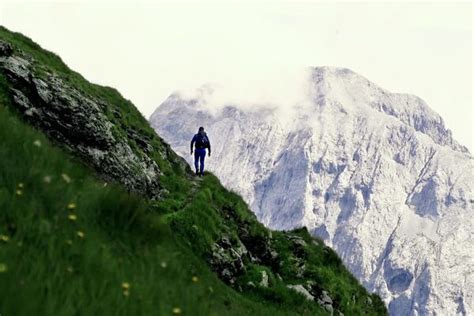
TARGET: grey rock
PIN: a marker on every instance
(227, 259)
(273, 254)
(21, 100)
(302, 290)
(260, 248)
(300, 270)
(16, 68)
(79, 122)
(313, 292)
(369, 301)
(298, 246)
(264, 281)
(297, 240)
(325, 298)
(325, 301)
(5, 49)
(330, 309)
(321, 296)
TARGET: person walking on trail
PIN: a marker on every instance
(202, 142)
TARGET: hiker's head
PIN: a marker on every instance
(201, 129)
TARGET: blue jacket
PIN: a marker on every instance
(201, 141)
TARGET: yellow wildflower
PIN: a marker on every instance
(176, 310)
(80, 234)
(19, 192)
(71, 206)
(126, 293)
(37, 143)
(3, 267)
(20, 185)
(163, 264)
(125, 285)
(72, 217)
(195, 279)
(4, 238)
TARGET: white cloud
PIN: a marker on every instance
(281, 88)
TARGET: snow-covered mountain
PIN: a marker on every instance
(376, 174)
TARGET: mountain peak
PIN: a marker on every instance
(375, 174)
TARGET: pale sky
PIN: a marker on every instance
(148, 50)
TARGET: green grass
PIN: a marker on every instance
(216, 212)
(46, 268)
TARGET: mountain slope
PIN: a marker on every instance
(100, 216)
(375, 174)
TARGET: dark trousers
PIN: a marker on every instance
(199, 155)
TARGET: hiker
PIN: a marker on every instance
(202, 142)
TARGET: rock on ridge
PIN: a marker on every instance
(79, 122)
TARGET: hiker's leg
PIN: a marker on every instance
(201, 158)
(196, 160)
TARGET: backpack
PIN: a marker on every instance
(201, 141)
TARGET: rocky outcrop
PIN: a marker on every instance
(233, 257)
(79, 122)
(313, 292)
(227, 259)
(302, 290)
(229, 256)
(264, 280)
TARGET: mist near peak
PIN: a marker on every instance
(289, 95)
(282, 90)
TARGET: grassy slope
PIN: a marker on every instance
(51, 270)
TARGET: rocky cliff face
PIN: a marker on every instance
(86, 125)
(377, 175)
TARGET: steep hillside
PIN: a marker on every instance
(99, 216)
(375, 174)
